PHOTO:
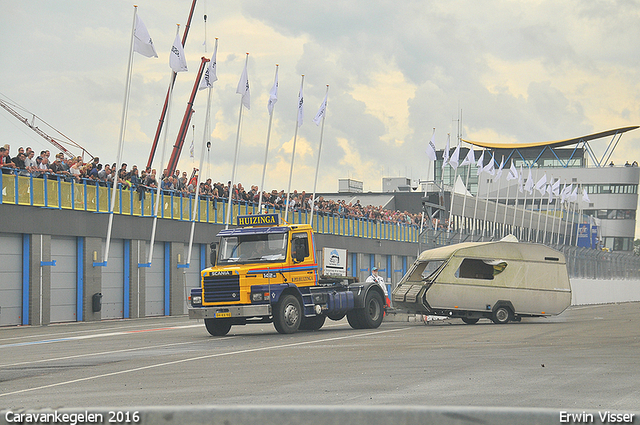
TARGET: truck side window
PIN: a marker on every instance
(299, 246)
(480, 269)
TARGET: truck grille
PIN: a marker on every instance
(221, 289)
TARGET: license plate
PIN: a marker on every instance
(228, 314)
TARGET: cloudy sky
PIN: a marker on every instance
(520, 71)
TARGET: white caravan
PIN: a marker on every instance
(501, 281)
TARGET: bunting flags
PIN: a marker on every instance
(177, 59)
(541, 185)
(431, 148)
(480, 164)
(273, 94)
(529, 184)
(300, 106)
(470, 158)
(210, 76)
(243, 88)
(323, 108)
(455, 158)
(142, 42)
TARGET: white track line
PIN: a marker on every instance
(250, 350)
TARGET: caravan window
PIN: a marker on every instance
(471, 268)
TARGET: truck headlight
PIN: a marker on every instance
(257, 297)
(196, 300)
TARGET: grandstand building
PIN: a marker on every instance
(612, 189)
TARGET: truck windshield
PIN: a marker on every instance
(253, 248)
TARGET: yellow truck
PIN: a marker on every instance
(502, 281)
(265, 271)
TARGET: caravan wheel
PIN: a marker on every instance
(501, 315)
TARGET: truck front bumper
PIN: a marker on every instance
(226, 311)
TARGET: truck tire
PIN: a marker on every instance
(353, 317)
(501, 315)
(312, 323)
(287, 315)
(217, 327)
(470, 320)
(372, 314)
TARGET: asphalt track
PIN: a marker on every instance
(586, 358)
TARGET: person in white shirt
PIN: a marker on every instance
(374, 278)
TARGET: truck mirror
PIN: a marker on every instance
(213, 256)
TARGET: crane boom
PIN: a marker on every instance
(44, 135)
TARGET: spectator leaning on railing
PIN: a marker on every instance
(178, 185)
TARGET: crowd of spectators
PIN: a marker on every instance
(26, 163)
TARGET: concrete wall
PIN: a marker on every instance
(590, 291)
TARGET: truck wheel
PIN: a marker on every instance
(470, 320)
(353, 317)
(217, 327)
(287, 315)
(312, 323)
(373, 312)
(501, 315)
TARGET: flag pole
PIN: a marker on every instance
(475, 208)
(266, 149)
(506, 204)
(315, 180)
(533, 204)
(486, 204)
(123, 123)
(539, 215)
(235, 159)
(546, 216)
(164, 148)
(293, 153)
(464, 201)
(495, 212)
(205, 135)
(524, 210)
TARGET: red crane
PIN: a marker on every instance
(184, 127)
(44, 135)
(166, 100)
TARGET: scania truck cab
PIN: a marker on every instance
(266, 271)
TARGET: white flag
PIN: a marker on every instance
(574, 195)
(445, 153)
(321, 111)
(455, 158)
(499, 172)
(431, 148)
(528, 186)
(210, 76)
(480, 164)
(243, 88)
(192, 150)
(300, 106)
(520, 180)
(513, 172)
(540, 186)
(177, 60)
(142, 42)
(273, 94)
(470, 158)
(585, 197)
(555, 188)
(490, 168)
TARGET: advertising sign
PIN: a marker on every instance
(334, 262)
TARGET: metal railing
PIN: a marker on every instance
(51, 191)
